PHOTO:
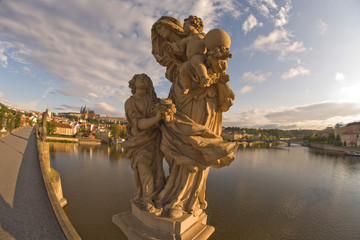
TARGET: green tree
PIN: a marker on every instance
(96, 135)
(17, 120)
(123, 133)
(338, 141)
(225, 138)
(115, 131)
(331, 138)
(10, 122)
(51, 127)
(2, 118)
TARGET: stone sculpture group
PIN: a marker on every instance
(184, 129)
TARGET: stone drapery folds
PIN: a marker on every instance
(185, 128)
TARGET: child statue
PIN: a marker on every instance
(194, 47)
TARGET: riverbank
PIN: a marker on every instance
(329, 147)
(62, 139)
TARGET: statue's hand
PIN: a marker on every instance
(224, 77)
(167, 47)
(158, 116)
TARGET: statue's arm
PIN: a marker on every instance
(146, 123)
(175, 48)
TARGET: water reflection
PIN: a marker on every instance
(276, 193)
(114, 152)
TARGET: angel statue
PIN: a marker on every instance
(192, 115)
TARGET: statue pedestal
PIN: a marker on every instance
(138, 224)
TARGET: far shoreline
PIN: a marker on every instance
(330, 147)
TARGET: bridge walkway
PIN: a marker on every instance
(25, 210)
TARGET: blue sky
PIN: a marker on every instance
(295, 63)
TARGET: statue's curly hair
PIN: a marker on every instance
(196, 22)
(220, 53)
(149, 85)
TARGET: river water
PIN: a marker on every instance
(277, 193)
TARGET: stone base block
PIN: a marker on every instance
(141, 225)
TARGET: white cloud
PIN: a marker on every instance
(1, 95)
(93, 95)
(48, 91)
(313, 116)
(322, 27)
(339, 76)
(271, 3)
(94, 46)
(314, 112)
(248, 118)
(277, 41)
(3, 57)
(246, 89)
(283, 15)
(105, 108)
(26, 70)
(263, 6)
(256, 77)
(293, 72)
(250, 23)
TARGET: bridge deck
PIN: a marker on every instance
(25, 210)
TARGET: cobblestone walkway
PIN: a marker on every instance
(25, 211)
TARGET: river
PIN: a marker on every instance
(277, 193)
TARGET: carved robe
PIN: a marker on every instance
(143, 149)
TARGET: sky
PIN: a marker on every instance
(295, 64)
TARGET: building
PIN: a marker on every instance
(232, 135)
(117, 120)
(104, 135)
(65, 129)
(84, 113)
(349, 134)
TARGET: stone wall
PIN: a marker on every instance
(53, 191)
(330, 147)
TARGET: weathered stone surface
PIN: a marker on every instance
(184, 128)
(138, 224)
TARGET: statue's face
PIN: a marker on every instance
(163, 31)
(140, 82)
(188, 27)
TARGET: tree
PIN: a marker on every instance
(115, 131)
(331, 138)
(51, 127)
(10, 122)
(96, 135)
(2, 118)
(123, 133)
(17, 120)
(338, 141)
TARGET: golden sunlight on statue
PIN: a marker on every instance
(183, 129)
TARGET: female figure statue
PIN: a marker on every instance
(143, 145)
(191, 139)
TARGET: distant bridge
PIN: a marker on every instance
(250, 142)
